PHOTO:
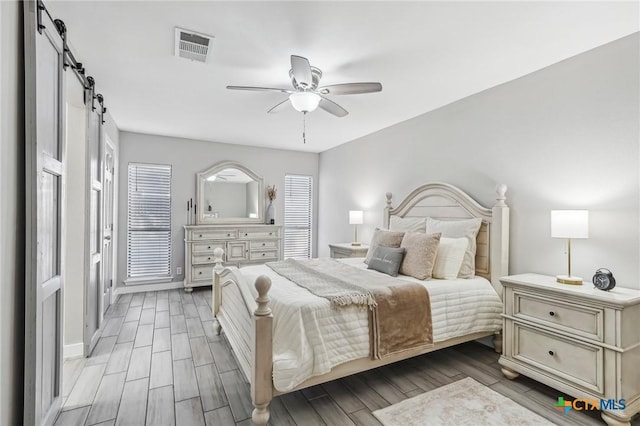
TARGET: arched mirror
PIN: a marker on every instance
(228, 192)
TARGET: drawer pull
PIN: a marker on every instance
(270, 233)
(199, 272)
(553, 314)
(263, 244)
(209, 247)
(245, 234)
(208, 258)
(228, 235)
(200, 235)
(551, 353)
(263, 254)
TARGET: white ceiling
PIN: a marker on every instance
(425, 54)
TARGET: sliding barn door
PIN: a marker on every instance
(45, 180)
(94, 292)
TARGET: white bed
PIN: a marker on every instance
(286, 338)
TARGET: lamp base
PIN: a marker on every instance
(566, 279)
(356, 244)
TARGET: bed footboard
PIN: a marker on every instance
(249, 330)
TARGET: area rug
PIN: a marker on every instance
(465, 402)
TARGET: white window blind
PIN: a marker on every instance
(149, 221)
(297, 216)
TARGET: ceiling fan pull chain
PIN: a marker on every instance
(304, 127)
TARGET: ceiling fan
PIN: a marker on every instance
(306, 96)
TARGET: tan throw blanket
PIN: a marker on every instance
(399, 311)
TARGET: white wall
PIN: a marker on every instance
(563, 137)
(189, 157)
(12, 207)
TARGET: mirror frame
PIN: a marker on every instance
(201, 219)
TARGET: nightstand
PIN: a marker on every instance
(577, 339)
(341, 250)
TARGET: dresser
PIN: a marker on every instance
(582, 341)
(341, 250)
(242, 245)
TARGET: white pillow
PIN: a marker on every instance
(449, 258)
(467, 228)
(407, 224)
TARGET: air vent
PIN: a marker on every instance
(192, 45)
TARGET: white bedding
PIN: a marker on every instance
(310, 338)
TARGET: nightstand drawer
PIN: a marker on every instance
(577, 362)
(573, 318)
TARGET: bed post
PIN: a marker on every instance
(499, 239)
(216, 294)
(386, 220)
(261, 373)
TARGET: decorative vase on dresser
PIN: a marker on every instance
(576, 339)
(270, 214)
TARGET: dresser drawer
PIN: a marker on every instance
(212, 234)
(573, 318)
(257, 234)
(207, 247)
(264, 245)
(201, 272)
(202, 258)
(577, 362)
(264, 255)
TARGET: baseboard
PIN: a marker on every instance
(74, 350)
(146, 287)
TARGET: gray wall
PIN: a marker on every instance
(564, 137)
(189, 157)
(12, 219)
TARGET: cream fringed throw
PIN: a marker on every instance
(399, 311)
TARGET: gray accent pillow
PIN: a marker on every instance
(386, 260)
(420, 255)
(385, 239)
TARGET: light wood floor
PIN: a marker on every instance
(159, 362)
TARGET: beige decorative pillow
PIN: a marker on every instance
(407, 224)
(420, 254)
(467, 228)
(385, 239)
(449, 258)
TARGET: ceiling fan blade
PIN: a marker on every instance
(282, 105)
(301, 70)
(260, 89)
(350, 88)
(332, 107)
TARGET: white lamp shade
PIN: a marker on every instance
(570, 223)
(356, 217)
(304, 101)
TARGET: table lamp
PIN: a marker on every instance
(569, 224)
(356, 217)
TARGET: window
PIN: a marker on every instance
(149, 221)
(297, 216)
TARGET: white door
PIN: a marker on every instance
(93, 299)
(107, 228)
(44, 198)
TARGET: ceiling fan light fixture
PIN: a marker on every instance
(304, 101)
